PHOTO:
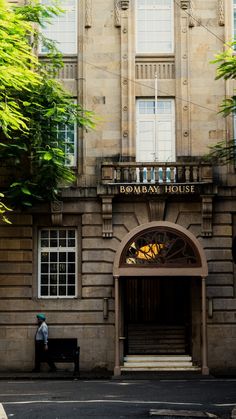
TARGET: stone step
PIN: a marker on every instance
(161, 368)
(164, 358)
(157, 364)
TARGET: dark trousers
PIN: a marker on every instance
(42, 356)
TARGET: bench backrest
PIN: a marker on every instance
(63, 349)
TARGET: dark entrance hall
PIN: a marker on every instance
(157, 315)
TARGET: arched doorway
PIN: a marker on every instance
(155, 268)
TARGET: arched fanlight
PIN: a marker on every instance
(160, 247)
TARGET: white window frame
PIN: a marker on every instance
(58, 249)
(157, 119)
(70, 158)
(53, 20)
(150, 51)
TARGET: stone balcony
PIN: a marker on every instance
(156, 173)
(156, 183)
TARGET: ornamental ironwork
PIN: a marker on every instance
(161, 248)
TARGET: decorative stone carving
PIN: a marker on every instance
(185, 4)
(221, 10)
(117, 14)
(107, 230)
(57, 213)
(156, 210)
(192, 21)
(124, 4)
(88, 13)
(207, 215)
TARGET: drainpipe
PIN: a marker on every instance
(205, 369)
(117, 343)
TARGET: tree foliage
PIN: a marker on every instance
(32, 106)
(225, 150)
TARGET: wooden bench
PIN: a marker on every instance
(65, 350)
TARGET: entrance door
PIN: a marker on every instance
(157, 315)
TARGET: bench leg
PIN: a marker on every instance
(76, 362)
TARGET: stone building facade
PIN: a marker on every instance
(136, 258)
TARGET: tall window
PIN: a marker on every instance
(57, 263)
(62, 28)
(68, 134)
(155, 26)
(155, 130)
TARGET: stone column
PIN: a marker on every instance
(117, 328)
(205, 369)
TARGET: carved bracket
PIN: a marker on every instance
(107, 230)
(188, 5)
(156, 210)
(192, 21)
(117, 14)
(57, 213)
(88, 14)
(221, 11)
(207, 215)
(124, 4)
(185, 4)
(118, 6)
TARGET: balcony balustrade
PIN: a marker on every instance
(157, 173)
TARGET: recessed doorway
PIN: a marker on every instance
(157, 315)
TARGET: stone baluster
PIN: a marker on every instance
(172, 174)
(195, 173)
(156, 173)
(187, 174)
(118, 174)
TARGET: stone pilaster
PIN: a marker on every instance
(183, 106)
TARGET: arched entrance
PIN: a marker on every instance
(154, 264)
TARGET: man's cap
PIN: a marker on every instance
(41, 316)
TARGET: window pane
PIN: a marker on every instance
(62, 279)
(53, 279)
(53, 291)
(154, 26)
(71, 291)
(44, 279)
(71, 279)
(71, 268)
(53, 257)
(44, 257)
(62, 290)
(44, 291)
(62, 257)
(63, 28)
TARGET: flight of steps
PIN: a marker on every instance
(156, 339)
(158, 363)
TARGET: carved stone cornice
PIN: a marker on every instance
(88, 14)
(221, 11)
